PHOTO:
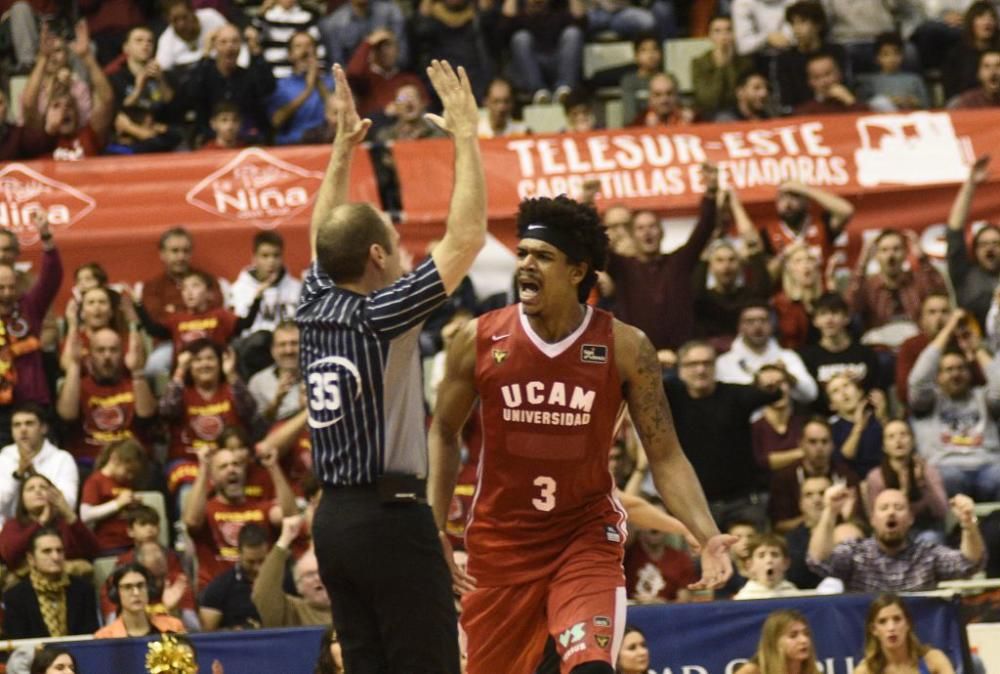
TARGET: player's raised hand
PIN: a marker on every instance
(461, 582)
(461, 114)
(351, 129)
(716, 566)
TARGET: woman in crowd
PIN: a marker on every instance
(54, 660)
(786, 646)
(99, 308)
(801, 285)
(128, 589)
(633, 658)
(41, 504)
(891, 644)
(204, 396)
(903, 469)
(979, 33)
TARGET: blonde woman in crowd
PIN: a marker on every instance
(801, 285)
(786, 646)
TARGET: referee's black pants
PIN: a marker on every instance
(389, 585)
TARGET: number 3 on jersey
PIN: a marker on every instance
(324, 391)
(546, 500)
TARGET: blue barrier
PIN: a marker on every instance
(698, 638)
(716, 637)
(291, 650)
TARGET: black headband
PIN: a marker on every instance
(560, 238)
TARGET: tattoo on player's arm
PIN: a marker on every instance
(652, 411)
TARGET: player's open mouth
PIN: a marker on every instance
(890, 524)
(528, 290)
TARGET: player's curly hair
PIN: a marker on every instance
(580, 221)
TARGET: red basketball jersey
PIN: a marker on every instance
(548, 415)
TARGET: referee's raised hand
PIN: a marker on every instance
(461, 114)
(351, 128)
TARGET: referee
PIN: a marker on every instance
(379, 552)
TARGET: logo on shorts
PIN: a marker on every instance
(24, 191)
(612, 534)
(602, 621)
(574, 634)
(258, 187)
(594, 353)
(602, 640)
(499, 356)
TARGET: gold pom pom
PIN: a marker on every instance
(170, 656)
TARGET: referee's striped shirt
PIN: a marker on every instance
(361, 365)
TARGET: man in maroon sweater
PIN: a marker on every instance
(22, 373)
(20, 142)
(374, 73)
(653, 290)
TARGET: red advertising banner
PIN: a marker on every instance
(898, 169)
(113, 209)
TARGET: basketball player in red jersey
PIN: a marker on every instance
(546, 535)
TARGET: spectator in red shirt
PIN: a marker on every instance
(200, 320)
(654, 571)
(895, 293)
(106, 403)
(21, 321)
(108, 494)
(204, 396)
(214, 523)
(374, 73)
(40, 505)
(775, 431)
(19, 142)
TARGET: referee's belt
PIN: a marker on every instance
(393, 488)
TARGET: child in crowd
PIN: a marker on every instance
(635, 85)
(225, 121)
(198, 320)
(856, 424)
(739, 552)
(890, 89)
(108, 494)
(767, 567)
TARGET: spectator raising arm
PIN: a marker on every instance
(840, 210)
(103, 111)
(268, 595)
(821, 537)
(972, 546)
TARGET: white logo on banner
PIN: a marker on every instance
(256, 185)
(919, 148)
(23, 191)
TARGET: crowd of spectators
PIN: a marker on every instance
(193, 479)
(837, 424)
